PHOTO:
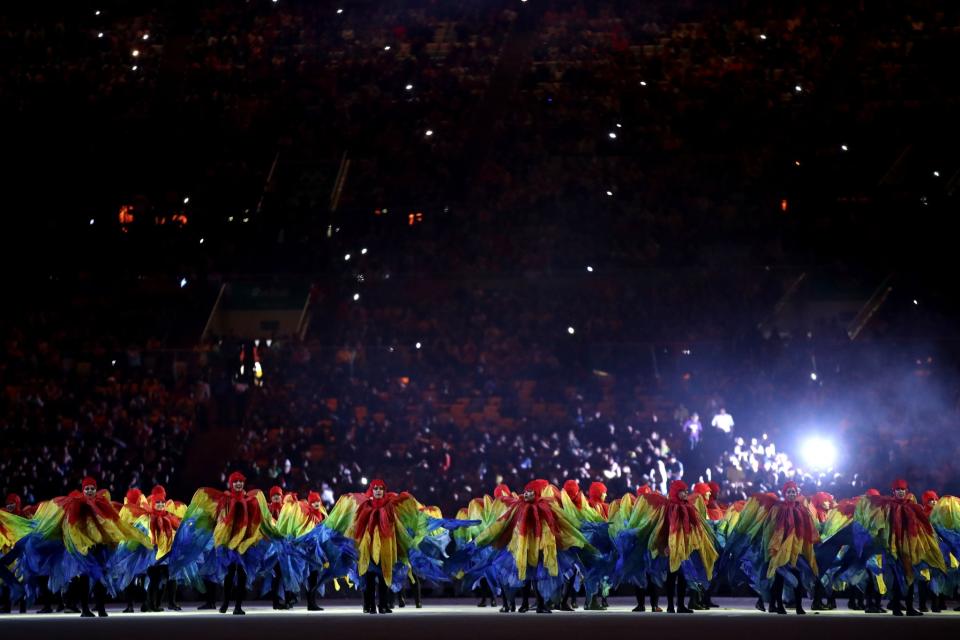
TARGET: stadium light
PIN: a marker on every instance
(813, 376)
(356, 297)
(571, 330)
(100, 34)
(819, 453)
(363, 251)
(418, 345)
(613, 136)
(844, 147)
(589, 269)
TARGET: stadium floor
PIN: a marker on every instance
(461, 619)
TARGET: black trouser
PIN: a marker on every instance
(234, 587)
(313, 581)
(99, 595)
(651, 591)
(776, 593)
(898, 596)
(158, 575)
(376, 589)
(676, 585)
(210, 596)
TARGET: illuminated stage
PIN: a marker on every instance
(461, 619)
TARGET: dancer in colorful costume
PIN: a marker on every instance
(541, 539)
(219, 540)
(944, 514)
(487, 568)
(897, 529)
(773, 545)
(74, 538)
(159, 518)
(387, 529)
(13, 527)
(666, 539)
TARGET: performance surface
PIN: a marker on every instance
(461, 619)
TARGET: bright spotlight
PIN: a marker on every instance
(813, 376)
(356, 297)
(571, 330)
(819, 453)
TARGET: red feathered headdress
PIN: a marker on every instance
(899, 483)
(714, 490)
(376, 482)
(236, 476)
(790, 484)
(572, 488)
(644, 489)
(702, 489)
(676, 487)
(88, 482)
(13, 499)
(820, 497)
(502, 491)
(928, 496)
(276, 491)
(597, 491)
(537, 486)
(159, 494)
(872, 492)
(133, 496)
(312, 497)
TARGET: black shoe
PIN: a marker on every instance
(482, 603)
(759, 606)
(207, 606)
(523, 608)
(504, 609)
(818, 606)
(129, 609)
(898, 612)
(385, 610)
(639, 609)
(543, 609)
(46, 609)
(913, 613)
(831, 604)
(238, 611)
(102, 612)
(313, 606)
(683, 609)
(573, 604)
(86, 613)
(144, 608)
(671, 610)
(224, 607)
(565, 606)
(173, 606)
(656, 610)
(418, 605)
(800, 611)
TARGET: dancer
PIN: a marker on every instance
(387, 529)
(773, 545)
(74, 538)
(218, 539)
(13, 527)
(900, 533)
(666, 540)
(541, 539)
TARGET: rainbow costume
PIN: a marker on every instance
(773, 546)
(666, 539)
(74, 537)
(541, 540)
